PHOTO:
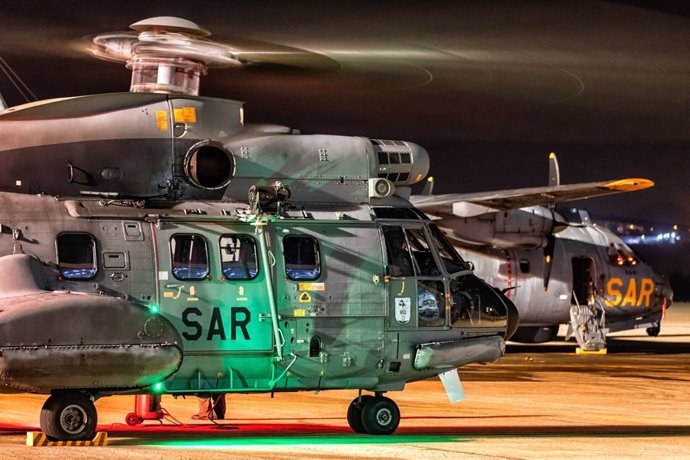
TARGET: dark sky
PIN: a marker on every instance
(488, 87)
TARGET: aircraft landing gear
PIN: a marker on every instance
(654, 330)
(69, 416)
(373, 415)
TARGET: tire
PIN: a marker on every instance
(354, 413)
(380, 416)
(69, 416)
(653, 331)
(133, 419)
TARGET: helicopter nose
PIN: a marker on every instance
(513, 317)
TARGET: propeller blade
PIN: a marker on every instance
(548, 259)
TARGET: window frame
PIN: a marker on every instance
(256, 258)
(317, 253)
(94, 255)
(172, 257)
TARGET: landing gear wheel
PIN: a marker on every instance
(380, 415)
(133, 419)
(354, 413)
(653, 331)
(69, 416)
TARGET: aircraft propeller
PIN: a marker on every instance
(554, 180)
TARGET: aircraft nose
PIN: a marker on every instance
(513, 317)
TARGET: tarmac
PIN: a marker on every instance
(539, 401)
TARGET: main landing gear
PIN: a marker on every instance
(373, 414)
(69, 416)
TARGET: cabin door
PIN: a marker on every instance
(213, 287)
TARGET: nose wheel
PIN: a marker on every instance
(373, 415)
(69, 416)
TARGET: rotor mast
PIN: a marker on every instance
(165, 54)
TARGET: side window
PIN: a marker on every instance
(302, 260)
(189, 257)
(431, 305)
(238, 257)
(398, 251)
(76, 256)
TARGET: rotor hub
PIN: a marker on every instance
(165, 54)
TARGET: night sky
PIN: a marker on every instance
(488, 87)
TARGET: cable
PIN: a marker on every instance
(16, 81)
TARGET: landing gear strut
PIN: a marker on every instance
(69, 416)
(373, 415)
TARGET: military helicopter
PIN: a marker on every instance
(167, 247)
(555, 264)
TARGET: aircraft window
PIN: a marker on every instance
(238, 257)
(302, 260)
(398, 251)
(621, 255)
(398, 213)
(524, 266)
(475, 305)
(76, 255)
(450, 259)
(424, 263)
(189, 257)
(431, 306)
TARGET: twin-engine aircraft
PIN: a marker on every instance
(555, 265)
(152, 242)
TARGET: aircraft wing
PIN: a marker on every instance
(473, 204)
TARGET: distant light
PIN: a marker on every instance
(675, 227)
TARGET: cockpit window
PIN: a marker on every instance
(238, 257)
(397, 251)
(189, 257)
(76, 255)
(620, 255)
(302, 259)
(449, 258)
(424, 263)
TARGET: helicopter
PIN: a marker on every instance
(152, 242)
(555, 264)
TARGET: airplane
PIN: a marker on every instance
(554, 264)
(152, 242)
